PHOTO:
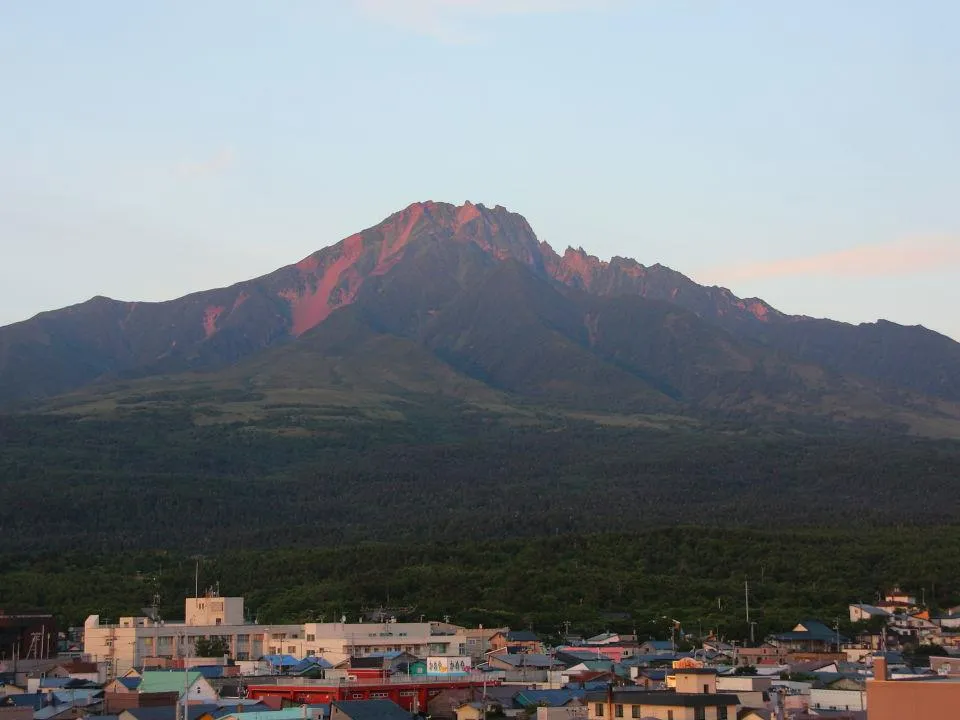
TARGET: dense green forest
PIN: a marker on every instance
(457, 513)
(162, 480)
(620, 581)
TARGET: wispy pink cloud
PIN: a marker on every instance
(450, 20)
(905, 257)
(219, 162)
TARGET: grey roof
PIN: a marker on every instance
(659, 698)
(527, 660)
(372, 709)
(521, 636)
(871, 609)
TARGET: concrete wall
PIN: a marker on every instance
(821, 699)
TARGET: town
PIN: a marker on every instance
(215, 664)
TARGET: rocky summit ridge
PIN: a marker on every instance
(436, 275)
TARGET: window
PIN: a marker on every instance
(706, 689)
(598, 709)
(218, 621)
(699, 713)
(669, 714)
(311, 638)
(618, 711)
(635, 711)
(379, 695)
(722, 713)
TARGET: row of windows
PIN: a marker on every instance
(635, 712)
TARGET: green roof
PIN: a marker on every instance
(165, 681)
(284, 714)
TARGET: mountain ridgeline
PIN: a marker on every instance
(466, 302)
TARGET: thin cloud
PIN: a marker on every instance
(217, 163)
(905, 257)
(449, 20)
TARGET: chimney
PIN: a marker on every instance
(880, 668)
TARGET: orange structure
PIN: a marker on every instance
(935, 698)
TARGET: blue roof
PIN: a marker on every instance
(591, 685)
(282, 660)
(54, 682)
(521, 636)
(209, 671)
(130, 683)
(659, 644)
(34, 700)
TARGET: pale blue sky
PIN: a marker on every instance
(805, 152)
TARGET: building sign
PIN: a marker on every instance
(448, 665)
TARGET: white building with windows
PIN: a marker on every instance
(131, 641)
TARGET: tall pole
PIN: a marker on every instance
(746, 595)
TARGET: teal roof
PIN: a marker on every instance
(286, 714)
(159, 681)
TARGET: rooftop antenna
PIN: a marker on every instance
(746, 594)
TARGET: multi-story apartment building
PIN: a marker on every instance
(133, 640)
(338, 641)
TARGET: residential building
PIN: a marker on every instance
(515, 641)
(338, 641)
(936, 698)
(190, 684)
(367, 710)
(860, 612)
(696, 698)
(810, 636)
(478, 640)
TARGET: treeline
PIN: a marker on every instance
(619, 581)
(160, 480)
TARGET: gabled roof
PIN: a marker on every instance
(658, 644)
(169, 712)
(871, 609)
(130, 683)
(547, 698)
(157, 681)
(372, 710)
(527, 660)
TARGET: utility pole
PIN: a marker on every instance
(746, 595)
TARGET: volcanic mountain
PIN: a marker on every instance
(467, 301)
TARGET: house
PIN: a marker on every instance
(810, 636)
(478, 640)
(367, 710)
(190, 684)
(123, 685)
(949, 620)
(528, 699)
(169, 712)
(860, 612)
(515, 641)
(471, 711)
(655, 647)
(696, 698)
